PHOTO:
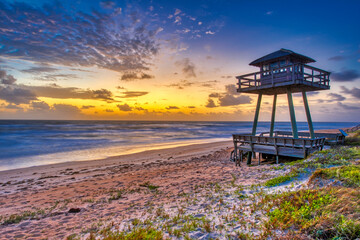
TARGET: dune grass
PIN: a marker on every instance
(329, 213)
(294, 173)
(349, 175)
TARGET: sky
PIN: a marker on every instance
(170, 60)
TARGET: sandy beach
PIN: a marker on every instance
(62, 200)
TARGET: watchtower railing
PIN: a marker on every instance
(289, 73)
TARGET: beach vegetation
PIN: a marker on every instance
(349, 175)
(328, 213)
(16, 218)
(150, 186)
(353, 139)
(116, 195)
(137, 233)
(294, 173)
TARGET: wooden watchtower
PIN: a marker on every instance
(281, 72)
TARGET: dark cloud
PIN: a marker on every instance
(14, 107)
(191, 107)
(210, 103)
(59, 35)
(132, 94)
(107, 4)
(337, 58)
(182, 84)
(124, 107)
(68, 110)
(56, 77)
(346, 75)
(6, 79)
(16, 95)
(109, 110)
(227, 76)
(172, 107)
(187, 67)
(336, 97)
(132, 76)
(41, 69)
(55, 91)
(185, 83)
(228, 98)
(87, 106)
(39, 105)
(355, 92)
(348, 107)
(214, 95)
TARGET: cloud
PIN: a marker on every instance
(55, 91)
(191, 107)
(336, 97)
(132, 94)
(39, 105)
(107, 4)
(12, 106)
(172, 107)
(56, 77)
(87, 106)
(269, 12)
(355, 92)
(337, 58)
(58, 35)
(187, 67)
(181, 85)
(135, 76)
(210, 103)
(210, 32)
(109, 110)
(66, 109)
(348, 107)
(124, 107)
(16, 95)
(41, 69)
(346, 75)
(6, 79)
(228, 98)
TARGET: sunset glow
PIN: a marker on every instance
(155, 60)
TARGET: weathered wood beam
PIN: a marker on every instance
(273, 116)
(308, 115)
(256, 117)
(292, 114)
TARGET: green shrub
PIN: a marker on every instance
(350, 175)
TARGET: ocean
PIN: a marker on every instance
(25, 143)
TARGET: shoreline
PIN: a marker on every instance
(131, 158)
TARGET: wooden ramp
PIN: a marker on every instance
(277, 146)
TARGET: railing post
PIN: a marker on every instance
(312, 75)
(293, 72)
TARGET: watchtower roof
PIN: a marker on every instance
(279, 54)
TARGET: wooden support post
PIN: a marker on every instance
(292, 114)
(256, 117)
(308, 115)
(273, 116)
